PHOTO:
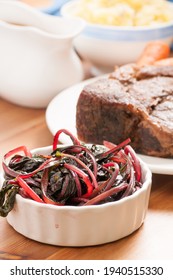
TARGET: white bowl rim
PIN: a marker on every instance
(162, 26)
(145, 185)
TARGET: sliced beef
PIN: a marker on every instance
(131, 104)
(154, 71)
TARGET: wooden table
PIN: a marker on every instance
(154, 240)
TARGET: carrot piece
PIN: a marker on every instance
(152, 52)
(164, 62)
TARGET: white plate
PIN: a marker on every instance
(61, 113)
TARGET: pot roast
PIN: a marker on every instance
(132, 102)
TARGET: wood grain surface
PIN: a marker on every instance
(18, 126)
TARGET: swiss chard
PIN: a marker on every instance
(77, 174)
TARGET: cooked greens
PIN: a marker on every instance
(78, 174)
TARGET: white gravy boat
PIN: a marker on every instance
(37, 59)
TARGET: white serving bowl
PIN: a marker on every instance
(106, 46)
(81, 225)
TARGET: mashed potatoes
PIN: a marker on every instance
(125, 12)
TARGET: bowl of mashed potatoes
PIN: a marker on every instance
(117, 31)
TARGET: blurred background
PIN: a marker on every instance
(50, 6)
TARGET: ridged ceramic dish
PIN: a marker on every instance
(81, 225)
